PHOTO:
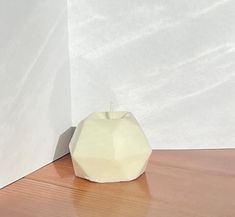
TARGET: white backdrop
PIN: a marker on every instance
(172, 63)
(34, 86)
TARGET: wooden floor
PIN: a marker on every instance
(176, 184)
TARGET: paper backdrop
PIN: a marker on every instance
(35, 101)
(172, 63)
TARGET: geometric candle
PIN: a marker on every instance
(109, 147)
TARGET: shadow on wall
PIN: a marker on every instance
(62, 146)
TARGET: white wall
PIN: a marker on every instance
(172, 63)
(34, 85)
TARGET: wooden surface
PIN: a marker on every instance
(176, 184)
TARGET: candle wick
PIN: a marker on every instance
(111, 109)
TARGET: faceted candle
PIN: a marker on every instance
(109, 147)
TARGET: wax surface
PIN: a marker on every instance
(109, 147)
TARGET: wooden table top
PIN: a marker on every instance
(196, 183)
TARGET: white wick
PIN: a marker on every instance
(111, 109)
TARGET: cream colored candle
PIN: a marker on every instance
(109, 147)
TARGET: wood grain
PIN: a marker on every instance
(197, 183)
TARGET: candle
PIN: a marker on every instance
(109, 147)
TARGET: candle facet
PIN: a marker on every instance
(109, 147)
